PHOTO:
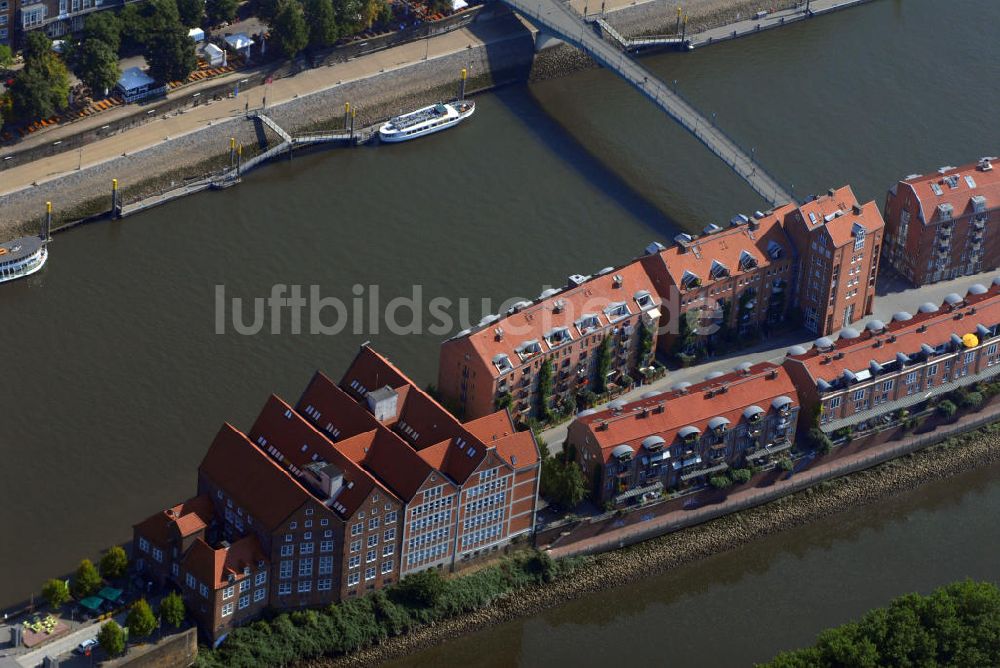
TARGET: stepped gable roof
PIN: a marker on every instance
(183, 520)
(213, 566)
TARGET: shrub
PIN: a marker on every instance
(786, 464)
(947, 409)
(172, 610)
(720, 481)
(740, 476)
(973, 401)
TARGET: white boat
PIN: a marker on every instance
(434, 118)
(22, 257)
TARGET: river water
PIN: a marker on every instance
(115, 379)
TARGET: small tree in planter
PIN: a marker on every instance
(785, 464)
(740, 476)
(720, 481)
(973, 401)
(947, 409)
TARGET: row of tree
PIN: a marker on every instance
(141, 622)
(88, 579)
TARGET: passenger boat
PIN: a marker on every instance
(22, 257)
(433, 118)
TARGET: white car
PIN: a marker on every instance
(86, 646)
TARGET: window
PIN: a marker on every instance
(326, 546)
(284, 589)
(325, 565)
(911, 378)
(288, 538)
(354, 562)
(327, 534)
(326, 584)
(191, 582)
(309, 511)
(306, 548)
(228, 593)
(357, 529)
(387, 550)
(835, 402)
(285, 570)
(308, 524)
(260, 578)
(258, 594)
(203, 590)
(353, 579)
(287, 550)
(355, 546)
(887, 385)
(390, 517)
(373, 524)
(932, 370)
(305, 568)
(244, 585)
(390, 534)
(307, 535)
(305, 586)
(292, 526)
(244, 601)
(970, 357)
(143, 544)
(323, 522)
(369, 573)
(158, 554)
(370, 555)
(859, 395)
(227, 609)
(373, 540)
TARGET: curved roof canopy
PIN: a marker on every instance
(928, 307)
(653, 442)
(781, 402)
(688, 431)
(752, 410)
(952, 298)
(717, 422)
(622, 451)
(900, 316)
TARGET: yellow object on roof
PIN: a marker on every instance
(970, 340)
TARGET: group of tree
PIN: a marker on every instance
(956, 625)
(141, 622)
(41, 88)
(296, 24)
(88, 579)
(562, 480)
(157, 29)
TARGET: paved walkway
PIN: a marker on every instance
(751, 25)
(650, 525)
(901, 298)
(281, 90)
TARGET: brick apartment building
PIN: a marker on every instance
(497, 363)
(859, 378)
(838, 242)
(56, 17)
(738, 276)
(356, 486)
(677, 439)
(8, 19)
(937, 224)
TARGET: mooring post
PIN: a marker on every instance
(461, 86)
(685, 28)
(232, 151)
(47, 226)
(114, 198)
(239, 159)
(347, 114)
(678, 28)
(353, 114)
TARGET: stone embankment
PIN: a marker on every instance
(977, 449)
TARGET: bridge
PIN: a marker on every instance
(558, 19)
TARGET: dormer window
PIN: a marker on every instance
(859, 236)
(617, 311)
(528, 348)
(588, 323)
(944, 211)
(747, 261)
(502, 363)
(774, 249)
(690, 280)
(644, 299)
(718, 270)
(558, 336)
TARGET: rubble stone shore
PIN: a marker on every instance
(976, 449)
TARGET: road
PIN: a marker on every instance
(894, 296)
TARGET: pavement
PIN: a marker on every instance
(894, 294)
(189, 120)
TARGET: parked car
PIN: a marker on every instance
(86, 646)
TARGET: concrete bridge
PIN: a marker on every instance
(557, 18)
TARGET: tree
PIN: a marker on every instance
(266, 10)
(104, 27)
(562, 481)
(947, 409)
(370, 10)
(545, 390)
(140, 621)
(741, 476)
(87, 580)
(6, 56)
(603, 365)
(97, 66)
(819, 440)
(141, 22)
(55, 592)
(423, 589)
(114, 562)
(973, 401)
(36, 46)
(219, 11)
(289, 28)
(191, 12)
(785, 464)
(172, 610)
(170, 54)
(720, 481)
(322, 22)
(112, 638)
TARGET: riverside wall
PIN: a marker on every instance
(970, 451)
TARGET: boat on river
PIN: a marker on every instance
(425, 121)
(22, 257)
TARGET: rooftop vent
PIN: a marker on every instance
(823, 344)
(984, 164)
(498, 333)
(713, 375)
(796, 350)
(683, 241)
(928, 307)
(681, 387)
(711, 228)
(578, 279)
(849, 333)
(952, 299)
(901, 316)
(856, 209)
(655, 248)
(875, 326)
(558, 305)
(977, 289)
(617, 280)
(382, 403)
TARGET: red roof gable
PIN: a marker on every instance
(956, 192)
(180, 521)
(213, 566)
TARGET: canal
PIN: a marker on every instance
(115, 377)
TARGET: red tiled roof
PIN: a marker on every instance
(253, 479)
(534, 321)
(839, 208)
(214, 565)
(937, 328)
(635, 421)
(336, 408)
(491, 427)
(987, 184)
(291, 434)
(182, 520)
(727, 247)
(519, 450)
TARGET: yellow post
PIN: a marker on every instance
(464, 73)
(114, 184)
(48, 207)
(678, 28)
(347, 114)
(232, 143)
(114, 198)
(461, 86)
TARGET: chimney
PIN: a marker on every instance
(683, 241)
(617, 280)
(327, 479)
(382, 403)
(985, 165)
(498, 332)
(831, 192)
